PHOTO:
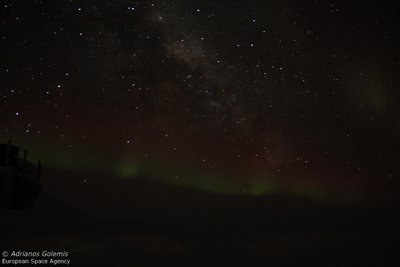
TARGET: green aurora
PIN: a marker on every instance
(85, 159)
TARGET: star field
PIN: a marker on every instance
(296, 97)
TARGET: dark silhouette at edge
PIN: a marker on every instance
(19, 179)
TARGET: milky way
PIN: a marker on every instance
(294, 97)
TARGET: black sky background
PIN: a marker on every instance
(301, 93)
(204, 133)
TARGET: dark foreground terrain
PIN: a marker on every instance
(108, 222)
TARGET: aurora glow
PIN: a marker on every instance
(201, 133)
(253, 105)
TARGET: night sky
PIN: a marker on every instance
(239, 97)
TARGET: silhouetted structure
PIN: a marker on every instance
(19, 179)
